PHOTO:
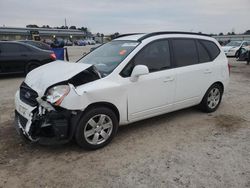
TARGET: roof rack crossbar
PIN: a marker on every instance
(127, 34)
(169, 32)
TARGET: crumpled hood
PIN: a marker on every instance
(58, 71)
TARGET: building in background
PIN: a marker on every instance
(225, 38)
(18, 33)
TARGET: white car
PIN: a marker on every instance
(126, 80)
(90, 41)
(232, 47)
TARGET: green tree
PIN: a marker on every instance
(72, 27)
(247, 32)
(113, 36)
(45, 26)
(32, 26)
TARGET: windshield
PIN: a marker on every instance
(234, 43)
(108, 56)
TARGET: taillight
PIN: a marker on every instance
(53, 56)
(229, 68)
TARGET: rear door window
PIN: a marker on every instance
(23, 48)
(212, 48)
(185, 52)
(203, 53)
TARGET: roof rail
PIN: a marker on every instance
(169, 32)
(127, 34)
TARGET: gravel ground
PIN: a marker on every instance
(186, 148)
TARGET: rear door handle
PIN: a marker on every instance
(207, 71)
(24, 55)
(169, 79)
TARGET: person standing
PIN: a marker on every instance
(247, 54)
(238, 53)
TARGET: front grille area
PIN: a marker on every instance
(22, 120)
(28, 95)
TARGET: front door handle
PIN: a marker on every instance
(168, 79)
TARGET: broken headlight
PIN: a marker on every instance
(56, 94)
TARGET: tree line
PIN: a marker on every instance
(61, 27)
(85, 29)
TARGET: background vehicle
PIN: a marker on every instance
(58, 43)
(37, 44)
(67, 42)
(80, 43)
(232, 47)
(126, 80)
(48, 41)
(90, 41)
(242, 54)
(18, 57)
(34, 35)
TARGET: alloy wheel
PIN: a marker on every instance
(98, 129)
(213, 98)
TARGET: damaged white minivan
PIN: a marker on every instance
(131, 78)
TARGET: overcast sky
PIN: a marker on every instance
(109, 16)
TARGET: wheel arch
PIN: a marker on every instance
(107, 105)
(31, 62)
(219, 83)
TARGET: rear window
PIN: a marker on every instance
(185, 52)
(212, 48)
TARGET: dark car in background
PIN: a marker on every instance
(17, 57)
(37, 44)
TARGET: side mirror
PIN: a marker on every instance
(138, 71)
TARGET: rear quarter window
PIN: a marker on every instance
(212, 48)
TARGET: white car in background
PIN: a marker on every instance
(90, 41)
(131, 78)
(232, 47)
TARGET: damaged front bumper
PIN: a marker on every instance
(38, 124)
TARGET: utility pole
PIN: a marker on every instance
(65, 22)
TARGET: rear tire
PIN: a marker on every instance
(96, 128)
(211, 99)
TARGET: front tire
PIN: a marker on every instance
(96, 128)
(212, 99)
